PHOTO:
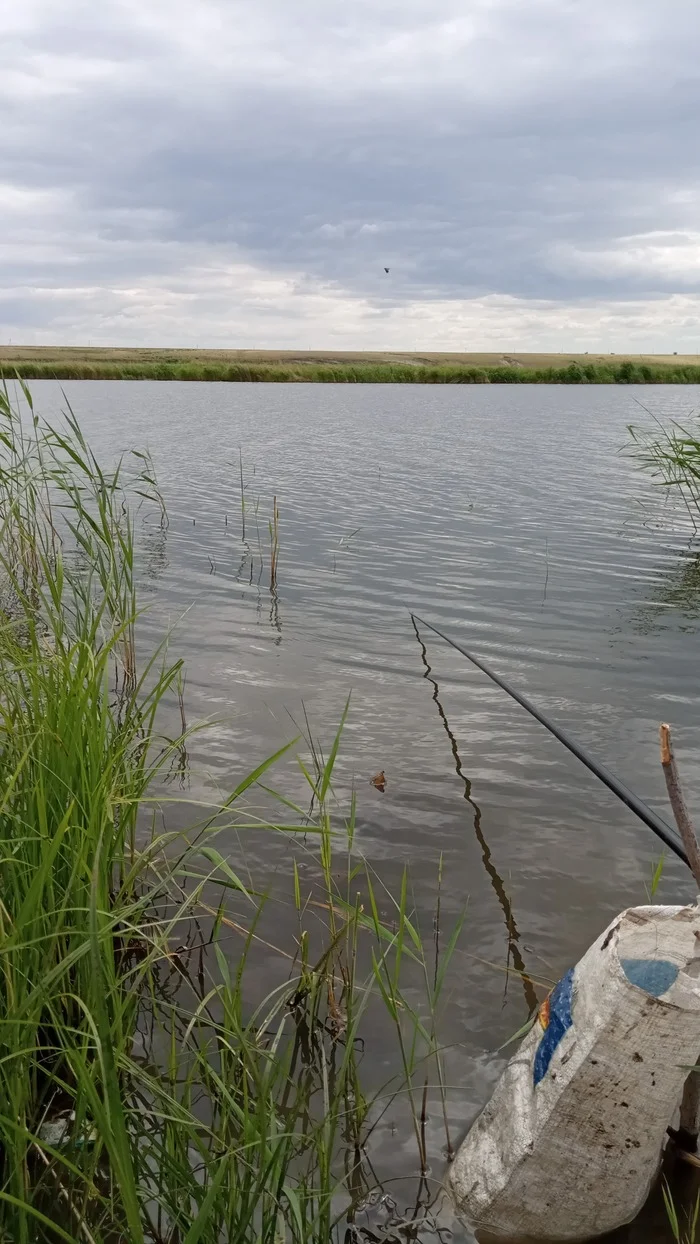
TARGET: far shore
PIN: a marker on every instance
(344, 366)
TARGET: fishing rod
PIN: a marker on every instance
(656, 823)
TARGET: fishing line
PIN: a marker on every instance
(655, 823)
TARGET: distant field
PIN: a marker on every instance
(116, 354)
(345, 366)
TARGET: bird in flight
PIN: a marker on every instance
(387, 271)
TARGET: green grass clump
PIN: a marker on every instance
(624, 372)
(670, 454)
(146, 1092)
(684, 1226)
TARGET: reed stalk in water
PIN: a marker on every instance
(240, 463)
(670, 454)
(274, 544)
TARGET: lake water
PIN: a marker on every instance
(508, 517)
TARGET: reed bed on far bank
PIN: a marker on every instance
(623, 372)
(143, 1097)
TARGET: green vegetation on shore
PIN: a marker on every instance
(147, 1091)
(97, 364)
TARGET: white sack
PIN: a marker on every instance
(571, 1141)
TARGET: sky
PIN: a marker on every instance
(239, 173)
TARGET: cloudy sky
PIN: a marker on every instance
(239, 173)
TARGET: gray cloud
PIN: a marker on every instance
(249, 168)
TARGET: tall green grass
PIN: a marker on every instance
(623, 372)
(683, 1223)
(670, 454)
(147, 1093)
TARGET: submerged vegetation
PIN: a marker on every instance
(147, 1092)
(612, 371)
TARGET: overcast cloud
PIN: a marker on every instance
(227, 173)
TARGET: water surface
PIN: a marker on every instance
(506, 516)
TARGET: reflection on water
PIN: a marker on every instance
(275, 619)
(154, 550)
(494, 876)
(675, 599)
(507, 517)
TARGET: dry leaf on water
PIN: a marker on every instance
(379, 780)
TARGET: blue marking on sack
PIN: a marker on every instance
(559, 1022)
(654, 976)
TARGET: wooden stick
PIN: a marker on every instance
(690, 1102)
(678, 804)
